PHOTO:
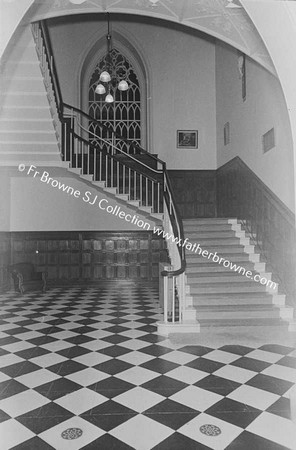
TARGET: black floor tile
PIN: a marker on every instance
(33, 352)
(33, 444)
(43, 418)
(197, 350)
(66, 368)
(11, 387)
(250, 441)
(288, 361)
(155, 350)
(107, 442)
(3, 416)
(111, 387)
(115, 339)
(217, 384)
(205, 365)
(234, 412)
(114, 351)
(20, 368)
(113, 366)
(270, 384)
(250, 364)
(164, 385)
(58, 388)
(159, 365)
(281, 408)
(178, 441)
(79, 339)
(276, 348)
(73, 352)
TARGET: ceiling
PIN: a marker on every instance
(219, 18)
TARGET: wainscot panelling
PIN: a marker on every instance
(195, 192)
(90, 256)
(241, 194)
(4, 261)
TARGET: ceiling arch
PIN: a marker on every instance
(219, 18)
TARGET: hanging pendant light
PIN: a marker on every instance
(109, 79)
(100, 89)
(109, 98)
(123, 86)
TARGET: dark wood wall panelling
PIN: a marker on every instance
(4, 261)
(195, 192)
(241, 194)
(89, 256)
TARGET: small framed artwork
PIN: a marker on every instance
(187, 139)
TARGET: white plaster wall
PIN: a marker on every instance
(263, 109)
(181, 81)
(37, 206)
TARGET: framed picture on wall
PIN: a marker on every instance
(187, 139)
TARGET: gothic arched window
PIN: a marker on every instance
(123, 116)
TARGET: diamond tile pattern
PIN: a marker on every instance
(90, 358)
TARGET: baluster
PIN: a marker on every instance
(135, 185)
(146, 193)
(129, 183)
(106, 164)
(112, 171)
(100, 168)
(165, 299)
(118, 180)
(158, 197)
(174, 300)
(141, 189)
(153, 205)
(95, 164)
(123, 177)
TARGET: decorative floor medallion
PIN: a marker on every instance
(71, 433)
(210, 430)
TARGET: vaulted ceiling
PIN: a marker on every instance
(224, 19)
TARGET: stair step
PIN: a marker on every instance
(211, 242)
(27, 136)
(211, 268)
(30, 112)
(23, 68)
(224, 288)
(135, 203)
(229, 277)
(240, 312)
(210, 220)
(225, 323)
(26, 125)
(26, 84)
(237, 300)
(24, 99)
(110, 190)
(222, 234)
(146, 209)
(207, 228)
(233, 257)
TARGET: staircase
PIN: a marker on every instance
(221, 297)
(27, 132)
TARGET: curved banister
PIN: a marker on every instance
(174, 215)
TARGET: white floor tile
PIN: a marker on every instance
(136, 358)
(221, 356)
(141, 432)
(254, 397)
(187, 374)
(137, 375)
(92, 359)
(7, 360)
(18, 346)
(88, 376)
(89, 433)
(57, 346)
(80, 401)
(21, 403)
(275, 428)
(134, 344)
(37, 378)
(261, 355)
(178, 357)
(282, 372)
(13, 433)
(139, 399)
(220, 441)
(196, 398)
(48, 360)
(234, 373)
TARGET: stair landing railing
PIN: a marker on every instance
(77, 148)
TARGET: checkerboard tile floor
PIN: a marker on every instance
(83, 368)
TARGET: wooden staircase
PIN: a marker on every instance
(221, 297)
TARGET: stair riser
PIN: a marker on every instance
(25, 137)
(23, 84)
(199, 268)
(199, 260)
(229, 279)
(20, 112)
(209, 221)
(32, 99)
(226, 289)
(206, 228)
(212, 235)
(26, 125)
(26, 69)
(245, 315)
(220, 251)
(27, 147)
(231, 302)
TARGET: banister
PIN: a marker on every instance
(174, 215)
